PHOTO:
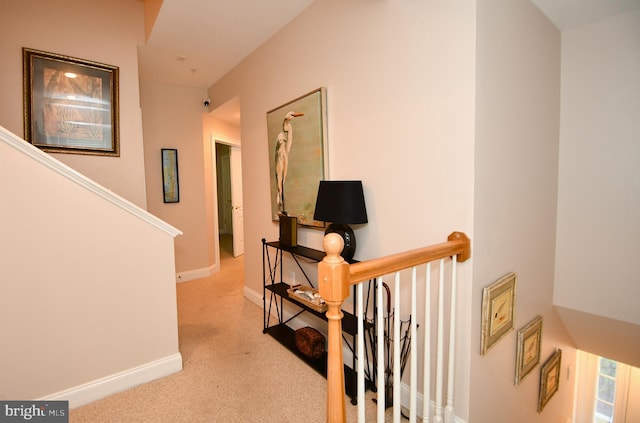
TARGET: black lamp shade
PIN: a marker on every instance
(340, 202)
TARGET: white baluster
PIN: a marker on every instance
(380, 348)
(449, 410)
(426, 383)
(396, 349)
(413, 399)
(439, 358)
(360, 354)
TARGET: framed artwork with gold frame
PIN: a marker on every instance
(528, 348)
(549, 378)
(298, 156)
(70, 104)
(498, 310)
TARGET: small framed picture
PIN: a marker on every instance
(528, 348)
(549, 379)
(170, 187)
(498, 309)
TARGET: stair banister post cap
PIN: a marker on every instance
(333, 245)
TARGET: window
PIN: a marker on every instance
(605, 391)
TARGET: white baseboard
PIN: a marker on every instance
(405, 402)
(254, 297)
(190, 275)
(118, 382)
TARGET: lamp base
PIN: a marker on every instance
(348, 237)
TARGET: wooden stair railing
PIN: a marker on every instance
(336, 276)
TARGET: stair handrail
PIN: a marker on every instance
(336, 276)
(12, 140)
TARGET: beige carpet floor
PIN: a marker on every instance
(232, 372)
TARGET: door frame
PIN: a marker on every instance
(213, 139)
(235, 178)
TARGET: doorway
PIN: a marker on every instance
(229, 195)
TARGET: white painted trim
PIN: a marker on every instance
(118, 382)
(214, 193)
(224, 140)
(62, 169)
(254, 297)
(190, 275)
(405, 398)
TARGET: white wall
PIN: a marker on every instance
(83, 29)
(516, 167)
(597, 275)
(400, 82)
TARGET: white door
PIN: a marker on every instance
(237, 218)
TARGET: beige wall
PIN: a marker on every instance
(633, 407)
(402, 100)
(83, 29)
(358, 84)
(599, 189)
(221, 129)
(516, 165)
(173, 118)
(166, 124)
(400, 81)
(402, 92)
(88, 291)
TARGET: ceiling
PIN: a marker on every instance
(196, 42)
(568, 14)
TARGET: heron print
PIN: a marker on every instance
(296, 132)
(283, 146)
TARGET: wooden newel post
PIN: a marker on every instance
(333, 285)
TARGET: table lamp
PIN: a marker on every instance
(341, 203)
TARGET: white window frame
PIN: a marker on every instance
(587, 385)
